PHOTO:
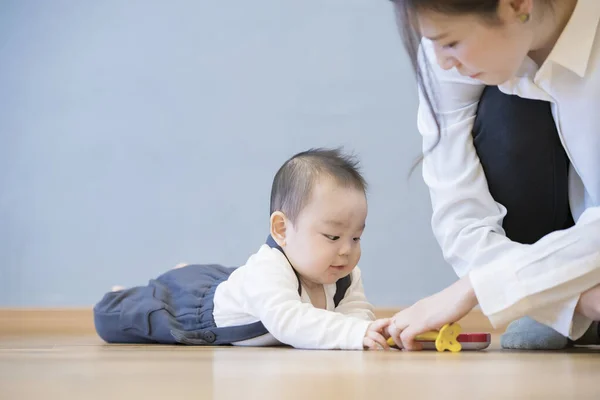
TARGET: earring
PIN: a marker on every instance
(524, 17)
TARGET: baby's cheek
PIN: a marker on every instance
(357, 254)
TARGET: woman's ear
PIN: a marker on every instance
(520, 7)
(278, 227)
(514, 11)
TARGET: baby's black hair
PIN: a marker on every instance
(293, 183)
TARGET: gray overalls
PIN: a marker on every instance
(177, 307)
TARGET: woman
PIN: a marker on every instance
(512, 162)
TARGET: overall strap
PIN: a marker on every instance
(273, 244)
(341, 286)
(217, 336)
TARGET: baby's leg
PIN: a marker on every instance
(150, 314)
(122, 315)
(118, 288)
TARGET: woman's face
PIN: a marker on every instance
(491, 52)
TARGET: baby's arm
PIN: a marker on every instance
(355, 302)
(271, 292)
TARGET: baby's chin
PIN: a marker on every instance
(330, 275)
(336, 273)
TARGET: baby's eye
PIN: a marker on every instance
(332, 237)
(356, 239)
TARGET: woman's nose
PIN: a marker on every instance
(445, 61)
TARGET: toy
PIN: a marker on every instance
(450, 338)
(468, 341)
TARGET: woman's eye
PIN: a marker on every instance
(450, 45)
(332, 237)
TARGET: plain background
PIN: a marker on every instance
(135, 135)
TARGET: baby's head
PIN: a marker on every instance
(318, 213)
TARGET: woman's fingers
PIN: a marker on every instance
(395, 335)
(408, 338)
(397, 325)
(404, 329)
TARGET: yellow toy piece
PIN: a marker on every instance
(445, 339)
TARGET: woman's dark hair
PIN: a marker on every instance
(406, 11)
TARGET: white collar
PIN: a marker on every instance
(574, 46)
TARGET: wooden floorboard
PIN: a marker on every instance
(80, 321)
(82, 367)
(54, 354)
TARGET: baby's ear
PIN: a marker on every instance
(278, 227)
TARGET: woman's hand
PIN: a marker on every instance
(432, 313)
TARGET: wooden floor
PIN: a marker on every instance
(82, 367)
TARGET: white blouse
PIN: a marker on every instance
(543, 280)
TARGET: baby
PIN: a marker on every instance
(302, 288)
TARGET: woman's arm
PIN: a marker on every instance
(509, 279)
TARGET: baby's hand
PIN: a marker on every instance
(376, 336)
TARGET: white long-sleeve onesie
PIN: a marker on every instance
(266, 289)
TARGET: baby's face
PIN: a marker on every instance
(324, 243)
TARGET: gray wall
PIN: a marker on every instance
(138, 134)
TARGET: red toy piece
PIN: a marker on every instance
(468, 341)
